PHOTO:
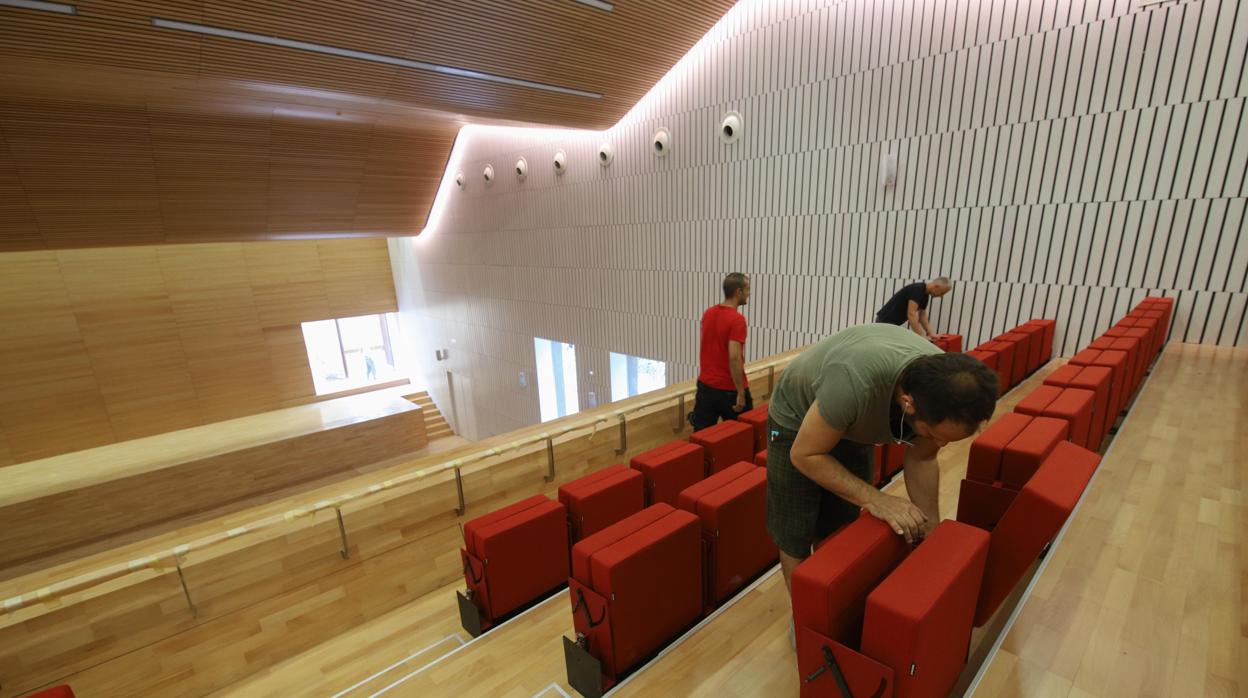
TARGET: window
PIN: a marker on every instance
(633, 375)
(352, 352)
(556, 378)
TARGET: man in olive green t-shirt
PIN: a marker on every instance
(865, 385)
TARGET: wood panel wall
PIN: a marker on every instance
(105, 345)
(266, 597)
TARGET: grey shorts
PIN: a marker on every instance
(799, 511)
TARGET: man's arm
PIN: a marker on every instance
(926, 325)
(736, 366)
(912, 317)
(923, 480)
(811, 456)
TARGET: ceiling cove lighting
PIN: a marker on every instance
(598, 4)
(58, 7)
(363, 56)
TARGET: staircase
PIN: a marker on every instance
(435, 424)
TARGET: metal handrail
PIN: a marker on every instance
(173, 557)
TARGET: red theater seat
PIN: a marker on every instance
(951, 343)
(830, 587)
(635, 585)
(1004, 367)
(760, 458)
(756, 418)
(890, 459)
(732, 505)
(1022, 354)
(918, 620)
(983, 504)
(724, 444)
(1036, 346)
(990, 359)
(1097, 379)
(669, 469)
(600, 499)
(1071, 404)
(62, 691)
(1024, 454)
(984, 461)
(1048, 328)
(1033, 519)
(515, 555)
(1118, 363)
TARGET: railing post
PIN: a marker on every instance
(679, 426)
(550, 459)
(177, 562)
(459, 488)
(623, 434)
(342, 533)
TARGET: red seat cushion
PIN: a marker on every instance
(1117, 362)
(918, 620)
(599, 499)
(982, 504)
(1046, 343)
(830, 587)
(1022, 354)
(1025, 452)
(62, 691)
(725, 443)
(1033, 519)
(1071, 404)
(951, 343)
(515, 555)
(1035, 356)
(1137, 357)
(1097, 379)
(760, 458)
(668, 469)
(1035, 402)
(984, 462)
(1004, 367)
(756, 418)
(732, 505)
(643, 580)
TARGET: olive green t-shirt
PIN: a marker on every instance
(852, 374)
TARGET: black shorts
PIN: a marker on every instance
(712, 404)
(799, 511)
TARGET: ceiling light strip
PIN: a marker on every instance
(364, 56)
(598, 4)
(58, 7)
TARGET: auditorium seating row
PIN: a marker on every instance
(874, 616)
(695, 509)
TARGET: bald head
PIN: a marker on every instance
(939, 286)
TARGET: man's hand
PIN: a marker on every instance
(740, 406)
(901, 515)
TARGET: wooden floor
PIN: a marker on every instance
(1143, 596)
(1146, 594)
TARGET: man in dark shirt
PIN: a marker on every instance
(723, 391)
(909, 305)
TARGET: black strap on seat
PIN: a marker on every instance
(468, 570)
(829, 664)
(582, 603)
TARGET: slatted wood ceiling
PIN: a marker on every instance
(118, 132)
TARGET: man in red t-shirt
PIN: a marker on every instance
(723, 391)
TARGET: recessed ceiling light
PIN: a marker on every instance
(60, 7)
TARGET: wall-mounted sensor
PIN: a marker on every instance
(605, 154)
(522, 168)
(730, 127)
(662, 142)
(488, 174)
(888, 170)
(561, 162)
(460, 180)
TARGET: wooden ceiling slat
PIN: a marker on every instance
(117, 132)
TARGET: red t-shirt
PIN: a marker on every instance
(719, 326)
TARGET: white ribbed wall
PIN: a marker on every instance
(1058, 159)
